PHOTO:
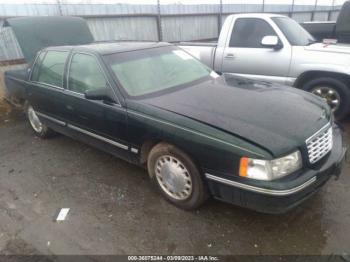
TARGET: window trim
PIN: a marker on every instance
(100, 68)
(35, 64)
(64, 69)
(257, 18)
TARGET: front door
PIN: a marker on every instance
(101, 121)
(245, 55)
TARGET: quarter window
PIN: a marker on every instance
(85, 74)
(248, 32)
(52, 68)
(36, 68)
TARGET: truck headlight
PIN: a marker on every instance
(270, 169)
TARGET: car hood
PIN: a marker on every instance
(277, 118)
(332, 48)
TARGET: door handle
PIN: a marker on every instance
(69, 107)
(229, 56)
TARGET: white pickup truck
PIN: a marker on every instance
(275, 48)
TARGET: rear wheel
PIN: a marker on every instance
(176, 176)
(334, 91)
(40, 129)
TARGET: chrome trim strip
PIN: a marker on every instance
(134, 150)
(74, 93)
(114, 143)
(51, 119)
(17, 79)
(45, 85)
(263, 190)
(193, 131)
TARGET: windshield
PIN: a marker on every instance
(294, 32)
(147, 71)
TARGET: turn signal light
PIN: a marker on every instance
(243, 166)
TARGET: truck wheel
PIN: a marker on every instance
(40, 129)
(334, 91)
(176, 176)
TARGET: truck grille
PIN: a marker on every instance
(320, 144)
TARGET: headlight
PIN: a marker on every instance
(270, 169)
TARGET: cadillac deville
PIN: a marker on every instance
(254, 144)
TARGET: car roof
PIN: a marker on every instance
(106, 48)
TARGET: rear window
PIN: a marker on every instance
(52, 69)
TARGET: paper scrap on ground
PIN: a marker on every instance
(62, 214)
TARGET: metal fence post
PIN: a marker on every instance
(292, 9)
(263, 6)
(331, 11)
(220, 17)
(159, 22)
(59, 7)
(313, 12)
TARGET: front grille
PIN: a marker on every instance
(320, 144)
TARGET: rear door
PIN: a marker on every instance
(106, 122)
(245, 55)
(46, 92)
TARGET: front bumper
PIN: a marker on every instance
(281, 195)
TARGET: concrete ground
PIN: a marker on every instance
(114, 209)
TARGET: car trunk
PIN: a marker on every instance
(36, 33)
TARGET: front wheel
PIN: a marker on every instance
(334, 91)
(40, 129)
(176, 176)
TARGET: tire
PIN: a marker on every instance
(173, 170)
(320, 86)
(40, 129)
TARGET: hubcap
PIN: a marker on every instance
(34, 120)
(329, 94)
(173, 177)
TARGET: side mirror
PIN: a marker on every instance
(100, 94)
(271, 41)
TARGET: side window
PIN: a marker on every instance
(36, 66)
(85, 74)
(52, 68)
(248, 32)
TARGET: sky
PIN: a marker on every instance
(297, 2)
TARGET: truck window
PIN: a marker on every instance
(52, 68)
(36, 67)
(85, 74)
(248, 32)
(294, 32)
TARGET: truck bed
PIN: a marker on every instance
(339, 30)
(205, 51)
(320, 30)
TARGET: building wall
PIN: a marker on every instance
(123, 28)
(179, 22)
